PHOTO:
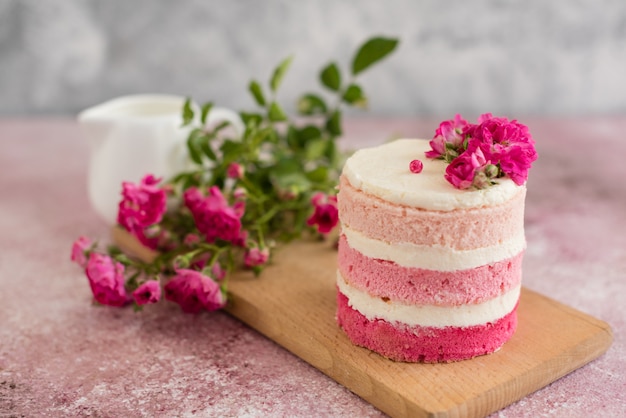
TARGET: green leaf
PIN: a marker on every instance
(371, 52)
(231, 150)
(309, 132)
(333, 154)
(257, 92)
(292, 138)
(333, 124)
(287, 174)
(187, 112)
(331, 77)
(221, 126)
(205, 146)
(354, 96)
(318, 175)
(310, 104)
(194, 146)
(248, 119)
(316, 148)
(279, 73)
(276, 113)
(206, 108)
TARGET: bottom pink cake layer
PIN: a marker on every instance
(424, 344)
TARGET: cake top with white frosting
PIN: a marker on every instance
(383, 171)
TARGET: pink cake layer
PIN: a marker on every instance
(387, 279)
(423, 344)
(461, 229)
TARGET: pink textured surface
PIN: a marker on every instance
(419, 286)
(462, 229)
(60, 356)
(423, 344)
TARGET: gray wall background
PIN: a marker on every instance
(558, 57)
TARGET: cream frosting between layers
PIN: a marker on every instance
(433, 257)
(429, 315)
(383, 171)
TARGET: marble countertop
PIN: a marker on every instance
(61, 356)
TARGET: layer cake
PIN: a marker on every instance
(426, 272)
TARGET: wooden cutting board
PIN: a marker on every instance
(293, 303)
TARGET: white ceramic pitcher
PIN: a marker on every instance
(132, 136)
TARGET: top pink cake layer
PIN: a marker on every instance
(461, 229)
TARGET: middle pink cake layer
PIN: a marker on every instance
(386, 279)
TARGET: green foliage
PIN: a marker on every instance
(371, 52)
(279, 73)
(257, 92)
(285, 161)
(331, 77)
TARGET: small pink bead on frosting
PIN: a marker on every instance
(416, 166)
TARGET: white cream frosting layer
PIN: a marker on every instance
(383, 171)
(433, 257)
(429, 315)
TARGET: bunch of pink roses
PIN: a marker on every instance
(479, 153)
(196, 278)
(243, 196)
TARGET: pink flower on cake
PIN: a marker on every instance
(495, 147)
(448, 139)
(142, 206)
(79, 249)
(515, 163)
(194, 291)
(106, 278)
(510, 144)
(326, 215)
(460, 172)
(214, 218)
(256, 256)
(464, 169)
(148, 292)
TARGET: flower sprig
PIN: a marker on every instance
(480, 153)
(243, 196)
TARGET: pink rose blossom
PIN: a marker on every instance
(148, 292)
(142, 206)
(79, 248)
(326, 215)
(235, 171)
(510, 145)
(515, 163)
(460, 172)
(256, 257)
(214, 218)
(449, 133)
(493, 148)
(194, 291)
(106, 278)
(463, 169)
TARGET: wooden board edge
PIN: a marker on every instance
(586, 351)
